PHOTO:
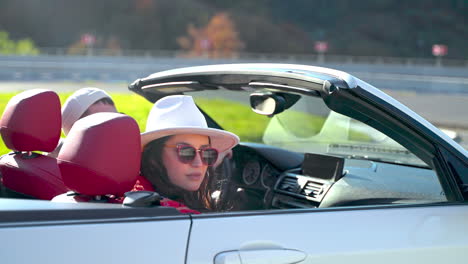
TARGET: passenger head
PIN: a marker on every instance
(179, 149)
(84, 102)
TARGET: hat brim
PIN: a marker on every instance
(220, 139)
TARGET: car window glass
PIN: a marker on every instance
(308, 126)
(378, 169)
(324, 131)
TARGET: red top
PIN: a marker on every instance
(142, 184)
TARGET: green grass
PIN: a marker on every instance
(4, 98)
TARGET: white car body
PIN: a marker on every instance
(431, 232)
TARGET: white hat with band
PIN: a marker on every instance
(178, 114)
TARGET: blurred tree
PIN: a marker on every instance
(218, 39)
(77, 48)
(20, 47)
(222, 36)
(112, 47)
(7, 46)
(366, 27)
(26, 47)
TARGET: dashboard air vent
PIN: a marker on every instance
(289, 184)
(312, 189)
(303, 187)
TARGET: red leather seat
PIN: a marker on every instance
(100, 158)
(31, 122)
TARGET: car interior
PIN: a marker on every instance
(259, 176)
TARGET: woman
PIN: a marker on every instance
(179, 151)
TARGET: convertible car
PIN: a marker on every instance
(329, 170)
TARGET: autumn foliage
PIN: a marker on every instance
(218, 39)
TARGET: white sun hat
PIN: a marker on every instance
(75, 105)
(178, 114)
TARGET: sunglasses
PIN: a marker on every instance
(187, 153)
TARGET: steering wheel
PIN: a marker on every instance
(224, 186)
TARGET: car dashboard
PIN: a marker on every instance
(274, 178)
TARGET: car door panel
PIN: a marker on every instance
(389, 234)
(115, 241)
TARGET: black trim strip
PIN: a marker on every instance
(321, 210)
(86, 222)
(81, 216)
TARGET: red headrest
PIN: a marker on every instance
(38, 177)
(101, 155)
(32, 121)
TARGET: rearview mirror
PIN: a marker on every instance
(267, 103)
(271, 103)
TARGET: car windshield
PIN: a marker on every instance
(308, 126)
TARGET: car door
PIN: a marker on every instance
(370, 234)
(44, 232)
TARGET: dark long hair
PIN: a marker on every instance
(152, 168)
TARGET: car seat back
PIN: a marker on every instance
(101, 157)
(31, 122)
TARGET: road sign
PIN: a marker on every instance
(439, 50)
(88, 39)
(321, 46)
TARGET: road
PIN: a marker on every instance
(425, 79)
